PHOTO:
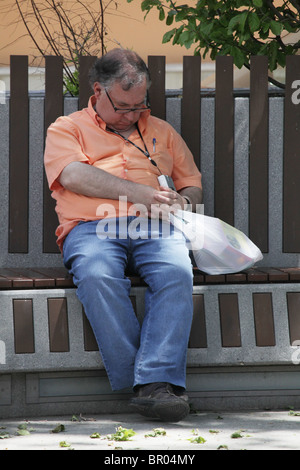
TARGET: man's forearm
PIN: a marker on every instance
(89, 181)
(93, 182)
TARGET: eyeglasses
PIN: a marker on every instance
(145, 107)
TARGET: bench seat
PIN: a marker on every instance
(40, 277)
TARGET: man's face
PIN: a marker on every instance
(133, 98)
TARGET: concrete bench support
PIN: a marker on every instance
(243, 340)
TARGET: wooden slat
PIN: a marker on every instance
(136, 281)
(263, 318)
(291, 166)
(236, 278)
(53, 109)
(258, 154)
(38, 279)
(157, 92)
(18, 281)
(198, 337)
(254, 275)
(293, 302)
(60, 275)
(215, 278)
(274, 274)
(58, 325)
(18, 156)
(133, 301)
(191, 106)
(90, 343)
(230, 322)
(224, 140)
(5, 283)
(198, 276)
(294, 273)
(23, 326)
(85, 90)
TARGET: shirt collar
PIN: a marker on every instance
(94, 115)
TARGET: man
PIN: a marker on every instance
(103, 165)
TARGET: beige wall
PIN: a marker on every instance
(125, 25)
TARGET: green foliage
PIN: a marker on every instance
(240, 28)
(71, 81)
(121, 434)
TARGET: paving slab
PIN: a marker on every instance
(278, 430)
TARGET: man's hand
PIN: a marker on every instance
(157, 203)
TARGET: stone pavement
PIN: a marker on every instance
(267, 430)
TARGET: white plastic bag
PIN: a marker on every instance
(218, 248)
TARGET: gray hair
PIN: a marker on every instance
(122, 66)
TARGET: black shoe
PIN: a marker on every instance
(161, 401)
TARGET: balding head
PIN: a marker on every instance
(122, 66)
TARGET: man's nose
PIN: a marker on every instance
(132, 116)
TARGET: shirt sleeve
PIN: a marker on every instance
(62, 147)
(185, 172)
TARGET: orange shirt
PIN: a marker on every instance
(82, 137)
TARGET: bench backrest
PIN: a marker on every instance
(246, 145)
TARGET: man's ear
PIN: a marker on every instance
(97, 89)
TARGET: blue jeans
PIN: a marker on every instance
(134, 354)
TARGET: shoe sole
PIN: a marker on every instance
(161, 409)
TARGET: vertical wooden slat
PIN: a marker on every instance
(198, 338)
(23, 326)
(58, 325)
(230, 321)
(258, 153)
(263, 319)
(191, 105)
(224, 140)
(157, 92)
(90, 343)
(19, 156)
(85, 90)
(291, 166)
(53, 109)
(133, 301)
(293, 303)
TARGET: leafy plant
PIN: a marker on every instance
(23, 430)
(95, 435)
(64, 444)
(239, 28)
(58, 428)
(236, 435)
(156, 432)
(121, 434)
(197, 440)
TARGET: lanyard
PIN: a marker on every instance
(144, 152)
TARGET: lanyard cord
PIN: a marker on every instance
(144, 152)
